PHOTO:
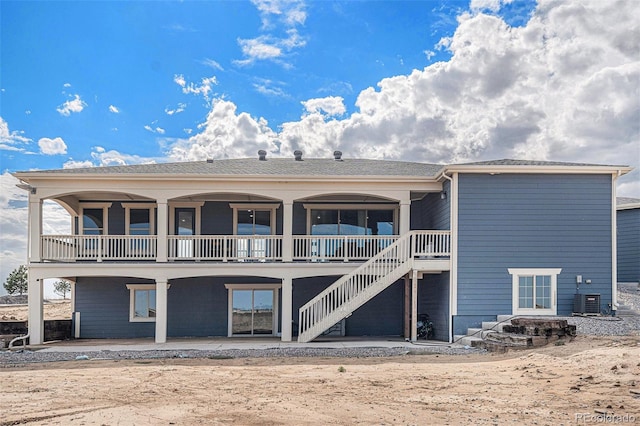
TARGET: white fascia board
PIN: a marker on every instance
(528, 169)
(31, 177)
(628, 206)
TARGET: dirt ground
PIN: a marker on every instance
(54, 309)
(576, 383)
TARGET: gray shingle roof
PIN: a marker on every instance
(270, 167)
(510, 162)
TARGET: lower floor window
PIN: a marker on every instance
(142, 307)
(534, 290)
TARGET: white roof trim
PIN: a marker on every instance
(628, 206)
(527, 169)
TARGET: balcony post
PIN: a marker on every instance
(161, 311)
(35, 229)
(287, 309)
(36, 320)
(405, 217)
(162, 226)
(287, 231)
(414, 305)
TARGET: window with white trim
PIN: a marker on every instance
(142, 303)
(534, 290)
(140, 218)
(94, 219)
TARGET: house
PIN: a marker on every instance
(297, 247)
(628, 249)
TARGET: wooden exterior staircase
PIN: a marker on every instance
(339, 300)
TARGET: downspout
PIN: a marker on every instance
(453, 270)
(614, 245)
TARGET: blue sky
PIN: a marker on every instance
(109, 74)
(104, 83)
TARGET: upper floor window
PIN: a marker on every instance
(140, 218)
(94, 218)
(347, 220)
(93, 222)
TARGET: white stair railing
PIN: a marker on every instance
(353, 290)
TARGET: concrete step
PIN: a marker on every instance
(502, 318)
(494, 325)
(469, 341)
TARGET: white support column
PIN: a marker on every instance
(35, 228)
(162, 226)
(414, 306)
(405, 217)
(453, 274)
(407, 307)
(36, 319)
(287, 309)
(161, 311)
(287, 231)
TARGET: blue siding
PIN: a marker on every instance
(431, 212)
(381, 316)
(217, 218)
(116, 219)
(103, 304)
(299, 219)
(628, 223)
(433, 299)
(531, 221)
(196, 307)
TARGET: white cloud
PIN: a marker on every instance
(72, 164)
(270, 88)
(52, 146)
(67, 85)
(331, 105)
(102, 157)
(11, 140)
(225, 135)
(213, 64)
(563, 87)
(154, 130)
(72, 105)
(181, 107)
(278, 16)
(114, 109)
(205, 88)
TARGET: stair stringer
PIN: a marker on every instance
(353, 290)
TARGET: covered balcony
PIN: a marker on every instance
(232, 248)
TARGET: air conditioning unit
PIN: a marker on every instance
(586, 304)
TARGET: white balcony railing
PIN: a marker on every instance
(264, 248)
(225, 247)
(320, 248)
(98, 247)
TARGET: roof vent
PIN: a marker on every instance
(209, 160)
(337, 155)
(262, 155)
(298, 154)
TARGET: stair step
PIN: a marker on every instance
(504, 317)
(469, 341)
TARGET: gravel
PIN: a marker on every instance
(20, 357)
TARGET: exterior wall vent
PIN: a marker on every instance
(298, 155)
(209, 160)
(337, 155)
(262, 155)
